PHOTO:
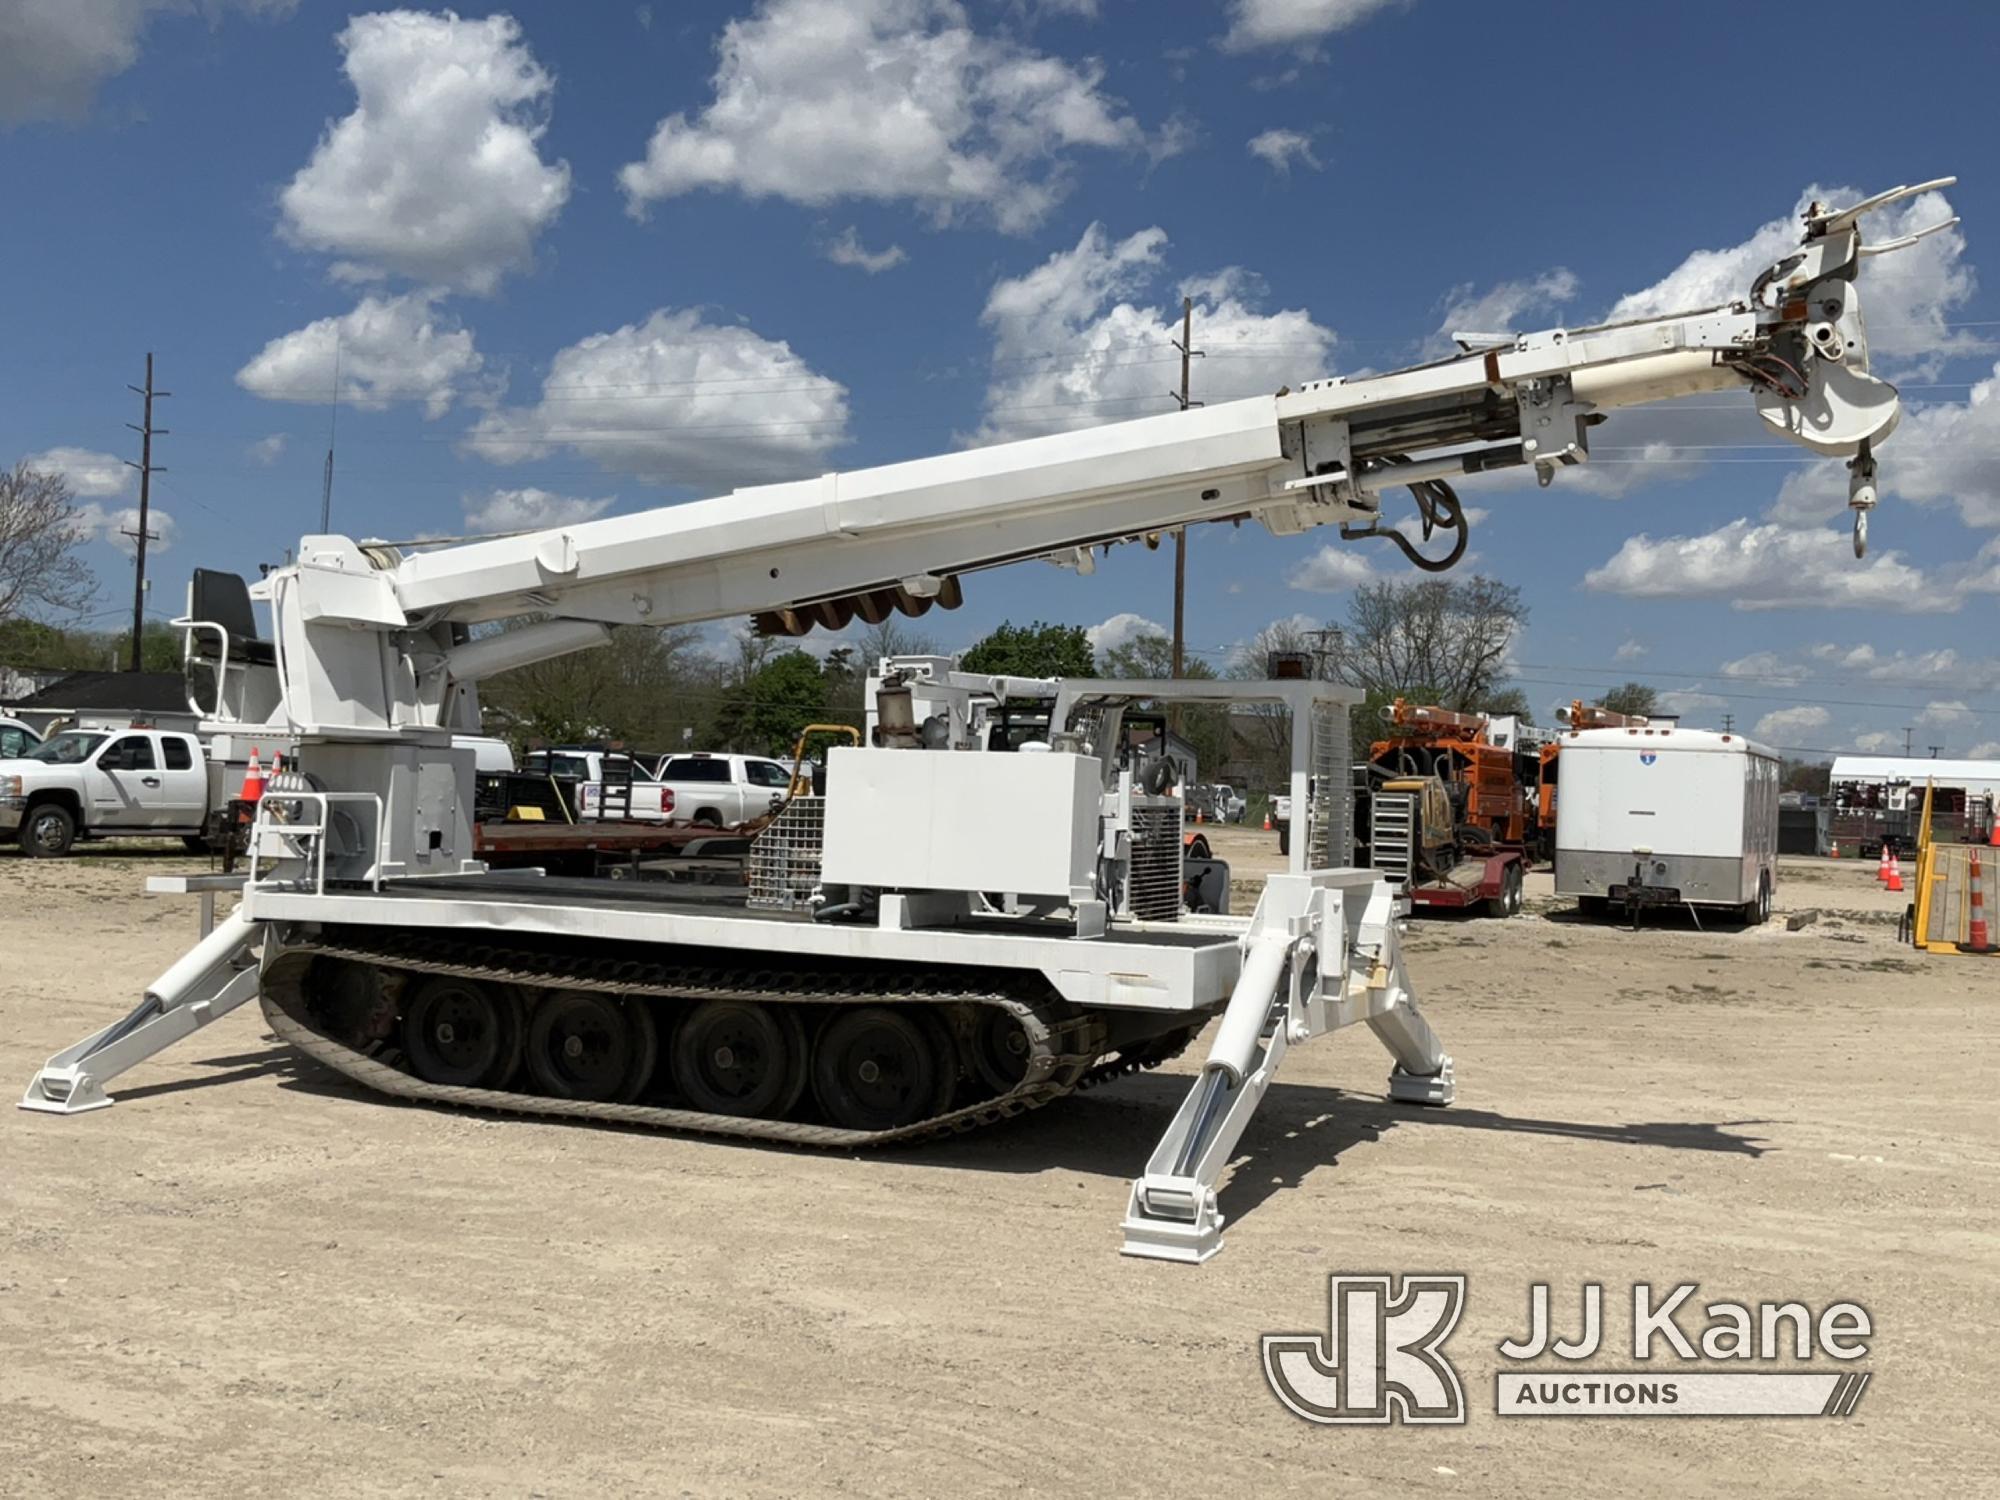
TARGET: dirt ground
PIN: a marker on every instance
(251, 1277)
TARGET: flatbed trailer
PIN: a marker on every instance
(510, 844)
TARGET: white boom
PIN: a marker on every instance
(877, 911)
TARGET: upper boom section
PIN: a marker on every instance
(863, 543)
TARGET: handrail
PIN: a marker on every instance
(189, 627)
(317, 831)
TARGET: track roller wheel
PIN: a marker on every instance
(880, 1069)
(346, 1002)
(462, 1033)
(735, 1057)
(999, 1049)
(583, 1045)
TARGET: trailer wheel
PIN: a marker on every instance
(735, 1057)
(1757, 913)
(461, 1033)
(880, 1069)
(1596, 908)
(1509, 900)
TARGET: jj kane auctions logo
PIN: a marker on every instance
(1382, 1357)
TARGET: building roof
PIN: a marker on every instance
(1918, 770)
(115, 692)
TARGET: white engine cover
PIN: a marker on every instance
(942, 820)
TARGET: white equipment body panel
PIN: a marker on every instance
(1020, 824)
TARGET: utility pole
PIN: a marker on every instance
(1909, 737)
(147, 469)
(1728, 723)
(1185, 396)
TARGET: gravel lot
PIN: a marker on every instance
(249, 1277)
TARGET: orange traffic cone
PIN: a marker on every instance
(1200, 816)
(1895, 874)
(1993, 840)
(1836, 849)
(253, 781)
(1267, 821)
(1978, 940)
(1882, 866)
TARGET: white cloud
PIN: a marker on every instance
(847, 250)
(1768, 567)
(1878, 742)
(1072, 348)
(894, 100)
(1330, 569)
(268, 450)
(1942, 713)
(1278, 148)
(1784, 726)
(1984, 750)
(1121, 630)
(1630, 650)
(675, 400)
(1764, 666)
(99, 523)
(530, 510)
(89, 474)
(437, 175)
(1688, 700)
(54, 54)
(1282, 23)
(1501, 308)
(388, 349)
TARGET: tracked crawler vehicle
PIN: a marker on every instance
(964, 923)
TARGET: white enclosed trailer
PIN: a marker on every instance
(1667, 816)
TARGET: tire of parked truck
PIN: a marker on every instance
(707, 817)
(195, 843)
(1284, 841)
(47, 831)
(1594, 907)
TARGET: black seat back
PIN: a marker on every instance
(224, 599)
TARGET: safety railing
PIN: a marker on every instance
(291, 833)
(189, 658)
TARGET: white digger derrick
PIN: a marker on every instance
(958, 937)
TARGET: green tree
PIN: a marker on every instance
(643, 688)
(1204, 726)
(1810, 776)
(783, 696)
(1037, 650)
(1631, 698)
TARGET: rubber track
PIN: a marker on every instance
(1065, 1046)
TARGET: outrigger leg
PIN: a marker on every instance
(1321, 953)
(211, 979)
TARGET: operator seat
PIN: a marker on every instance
(224, 599)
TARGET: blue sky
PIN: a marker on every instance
(596, 257)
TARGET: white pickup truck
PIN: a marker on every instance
(143, 783)
(723, 791)
(651, 803)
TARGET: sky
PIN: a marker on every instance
(567, 259)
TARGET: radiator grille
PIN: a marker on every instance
(785, 857)
(1331, 826)
(1153, 884)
